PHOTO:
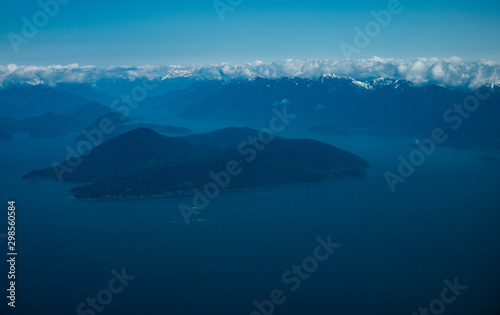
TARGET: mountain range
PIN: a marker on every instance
(326, 105)
(85, 117)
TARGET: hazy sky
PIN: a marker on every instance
(165, 32)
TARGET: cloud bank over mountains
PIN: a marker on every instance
(453, 72)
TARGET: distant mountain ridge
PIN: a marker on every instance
(452, 72)
(44, 126)
(323, 105)
(21, 101)
(381, 105)
(86, 117)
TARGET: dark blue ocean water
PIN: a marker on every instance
(396, 248)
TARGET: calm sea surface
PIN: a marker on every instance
(396, 249)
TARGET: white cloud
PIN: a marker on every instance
(452, 72)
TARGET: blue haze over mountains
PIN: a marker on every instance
(325, 105)
(323, 175)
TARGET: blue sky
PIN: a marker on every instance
(183, 32)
